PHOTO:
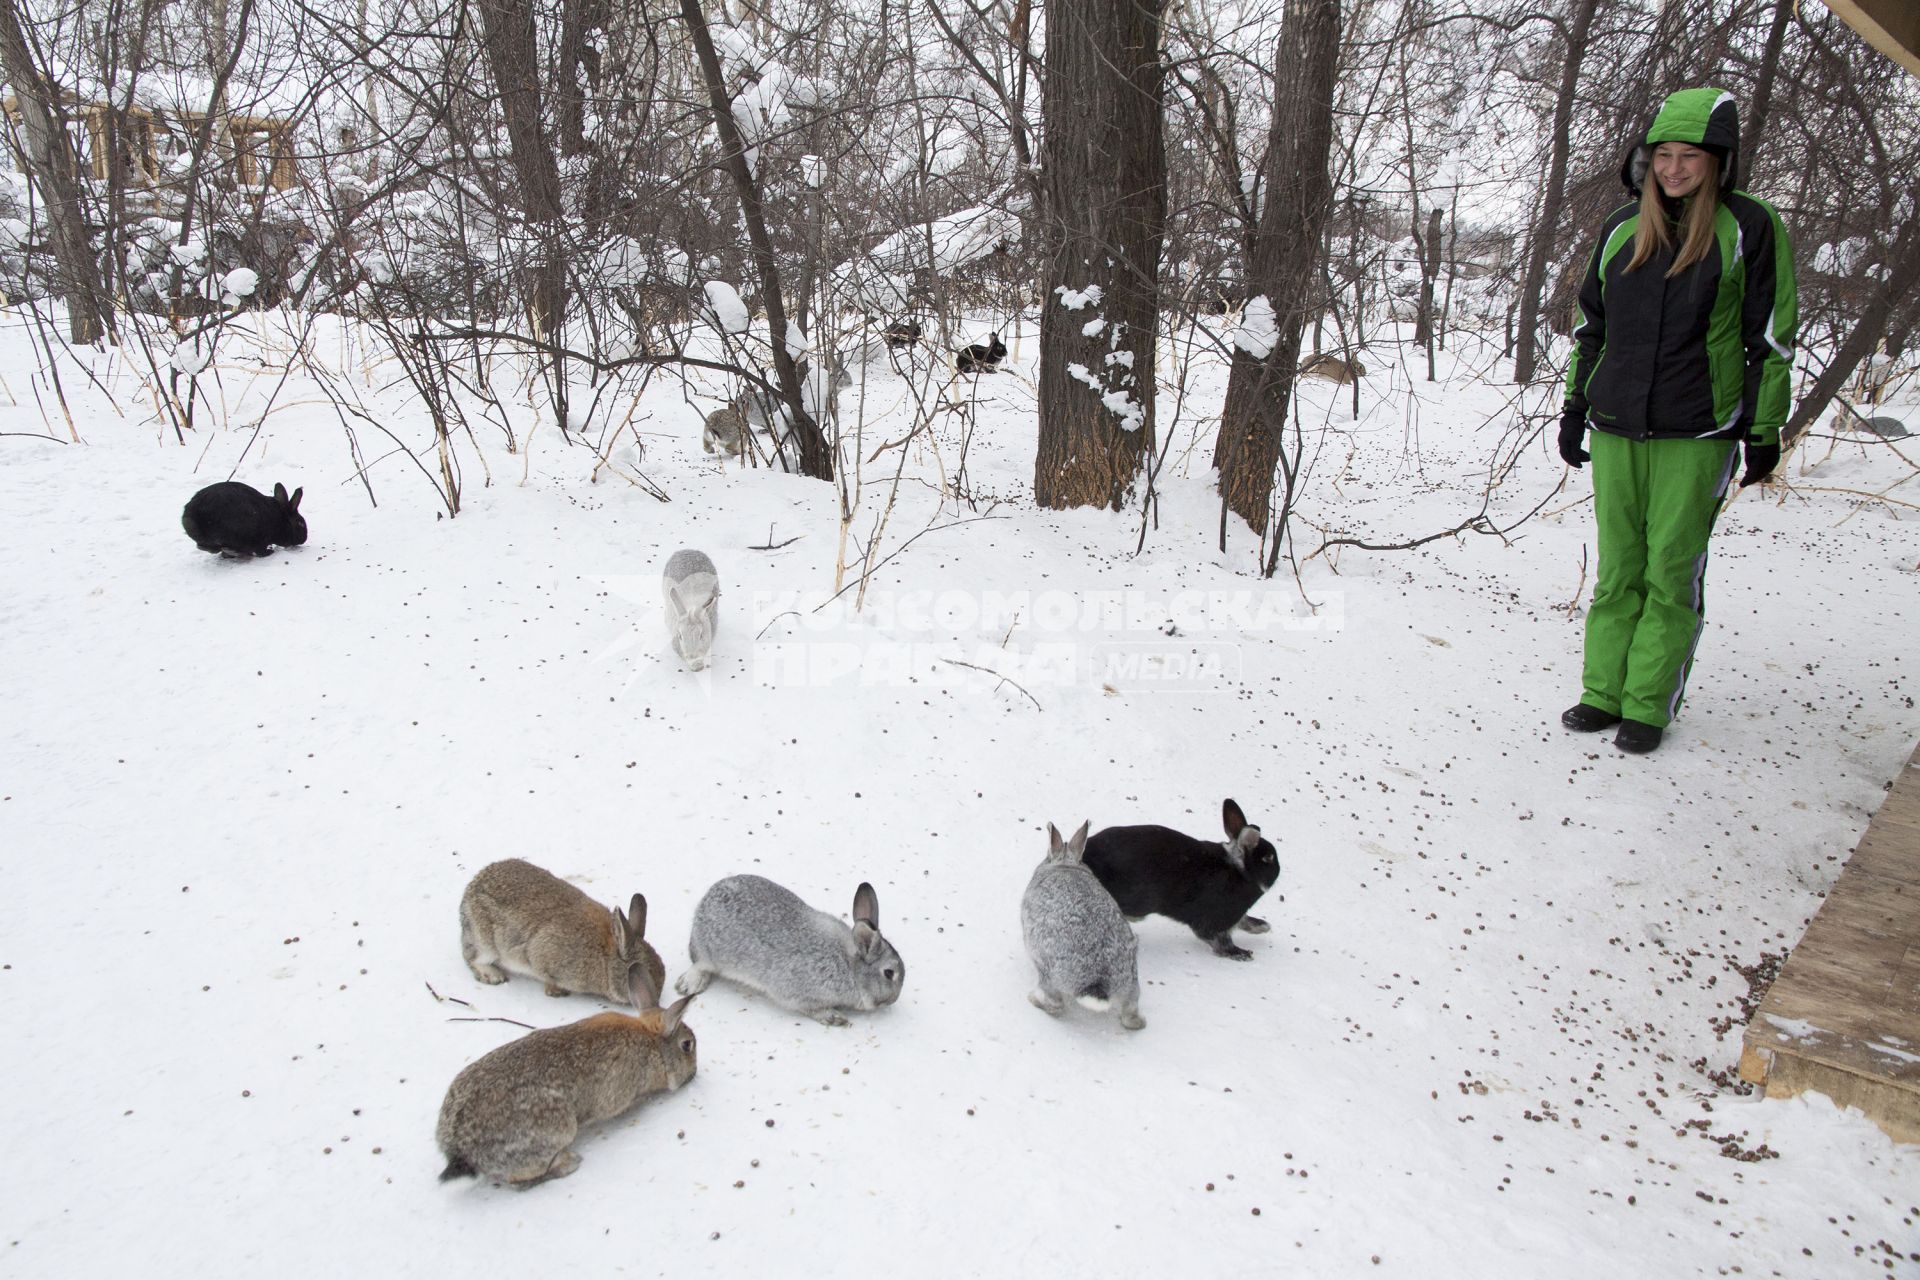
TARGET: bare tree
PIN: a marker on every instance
(50, 162)
(1283, 268)
(1544, 243)
(1104, 166)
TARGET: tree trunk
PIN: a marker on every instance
(1423, 321)
(51, 165)
(1903, 280)
(1763, 87)
(815, 458)
(1544, 241)
(1299, 196)
(513, 55)
(1104, 165)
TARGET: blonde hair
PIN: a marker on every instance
(1696, 223)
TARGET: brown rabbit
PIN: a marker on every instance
(513, 1114)
(516, 917)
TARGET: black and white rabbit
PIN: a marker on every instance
(761, 935)
(238, 520)
(901, 334)
(981, 357)
(1205, 885)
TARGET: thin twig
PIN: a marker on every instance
(955, 662)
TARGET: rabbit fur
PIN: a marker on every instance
(725, 431)
(691, 586)
(754, 932)
(238, 520)
(1080, 943)
(981, 357)
(1206, 886)
(514, 1113)
(516, 917)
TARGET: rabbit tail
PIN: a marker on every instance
(1095, 996)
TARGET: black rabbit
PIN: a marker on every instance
(901, 333)
(236, 519)
(981, 359)
(1205, 885)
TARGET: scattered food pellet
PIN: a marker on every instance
(1256, 1211)
(769, 1122)
(738, 1183)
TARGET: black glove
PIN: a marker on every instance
(1761, 460)
(1573, 426)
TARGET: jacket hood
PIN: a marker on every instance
(1706, 118)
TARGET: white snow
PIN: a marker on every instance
(1258, 331)
(239, 801)
(240, 282)
(1080, 299)
(728, 308)
(192, 355)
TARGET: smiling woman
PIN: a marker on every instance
(1681, 358)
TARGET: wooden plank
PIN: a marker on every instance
(1843, 1017)
(1891, 26)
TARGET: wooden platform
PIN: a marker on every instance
(1843, 1017)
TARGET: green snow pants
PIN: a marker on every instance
(1654, 502)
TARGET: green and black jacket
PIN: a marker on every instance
(1706, 354)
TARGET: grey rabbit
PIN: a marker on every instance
(754, 932)
(238, 520)
(725, 431)
(691, 586)
(516, 917)
(1079, 942)
(514, 1113)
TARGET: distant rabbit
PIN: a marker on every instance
(754, 932)
(691, 586)
(238, 520)
(1205, 886)
(513, 1114)
(901, 333)
(981, 359)
(725, 431)
(1077, 938)
(515, 917)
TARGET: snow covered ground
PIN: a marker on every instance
(1492, 1033)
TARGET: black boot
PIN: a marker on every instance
(1582, 718)
(1636, 738)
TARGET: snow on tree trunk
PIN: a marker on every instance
(1284, 264)
(1104, 166)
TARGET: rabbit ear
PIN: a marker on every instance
(635, 924)
(1233, 819)
(1248, 839)
(640, 988)
(671, 1015)
(679, 605)
(1054, 843)
(868, 939)
(1079, 842)
(866, 906)
(280, 494)
(293, 503)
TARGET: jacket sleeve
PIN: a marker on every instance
(1769, 324)
(1589, 329)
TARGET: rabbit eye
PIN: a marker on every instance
(686, 1046)
(889, 974)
